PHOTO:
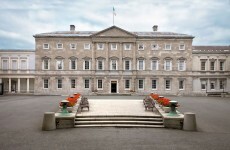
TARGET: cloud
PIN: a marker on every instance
(206, 20)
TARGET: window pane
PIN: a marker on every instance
(212, 65)
(59, 83)
(127, 84)
(167, 84)
(154, 84)
(181, 84)
(5, 65)
(46, 64)
(23, 64)
(86, 65)
(73, 64)
(154, 65)
(203, 65)
(59, 64)
(99, 84)
(14, 65)
(100, 64)
(221, 65)
(127, 65)
(73, 83)
(141, 84)
(87, 83)
(141, 64)
(114, 65)
(46, 83)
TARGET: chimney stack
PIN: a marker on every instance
(72, 27)
(155, 28)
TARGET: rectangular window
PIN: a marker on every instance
(154, 65)
(203, 85)
(221, 84)
(59, 65)
(45, 64)
(86, 83)
(113, 46)
(212, 85)
(203, 63)
(23, 64)
(181, 65)
(168, 65)
(140, 46)
(59, 83)
(45, 83)
(86, 67)
(127, 65)
(73, 64)
(87, 46)
(14, 65)
(167, 46)
(113, 65)
(141, 84)
(140, 64)
(99, 84)
(154, 47)
(100, 46)
(212, 65)
(181, 47)
(127, 46)
(73, 83)
(5, 65)
(73, 46)
(181, 84)
(221, 65)
(167, 84)
(154, 84)
(100, 64)
(45, 46)
(59, 46)
(127, 84)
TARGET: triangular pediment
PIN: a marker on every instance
(114, 31)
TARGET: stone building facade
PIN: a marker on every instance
(113, 61)
(17, 68)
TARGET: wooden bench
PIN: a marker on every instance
(84, 103)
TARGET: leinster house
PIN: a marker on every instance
(117, 61)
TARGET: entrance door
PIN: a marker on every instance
(113, 86)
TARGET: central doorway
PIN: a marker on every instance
(113, 86)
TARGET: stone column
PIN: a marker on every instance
(9, 85)
(19, 85)
(28, 85)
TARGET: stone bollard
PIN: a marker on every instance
(189, 121)
(49, 121)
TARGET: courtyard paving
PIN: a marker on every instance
(21, 121)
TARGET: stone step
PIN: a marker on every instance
(119, 122)
(119, 126)
(111, 116)
(116, 119)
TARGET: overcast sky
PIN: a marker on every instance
(207, 20)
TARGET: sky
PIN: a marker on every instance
(207, 20)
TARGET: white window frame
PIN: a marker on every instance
(26, 64)
(43, 64)
(129, 84)
(157, 65)
(166, 67)
(99, 88)
(221, 65)
(70, 64)
(203, 83)
(102, 63)
(212, 66)
(100, 46)
(113, 48)
(7, 64)
(73, 83)
(203, 66)
(183, 85)
(129, 47)
(59, 83)
(138, 64)
(62, 64)
(182, 48)
(152, 84)
(141, 46)
(168, 48)
(139, 88)
(86, 83)
(87, 46)
(111, 64)
(46, 46)
(166, 86)
(73, 46)
(130, 65)
(14, 60)
(154, 48)
(183, 63)
(84, 67)
(45, 83)
(59, 46)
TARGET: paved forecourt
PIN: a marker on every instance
(117, 107)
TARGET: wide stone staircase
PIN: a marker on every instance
(154, 121)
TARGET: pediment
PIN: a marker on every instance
(114, 31)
